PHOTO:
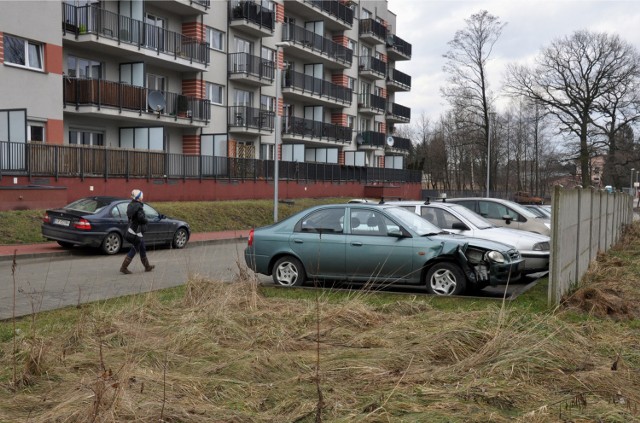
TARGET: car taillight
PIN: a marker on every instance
(46, 218)
(250, 241)
(83, 225)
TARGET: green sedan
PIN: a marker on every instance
(377, 244)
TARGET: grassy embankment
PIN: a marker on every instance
(240, 352)
(23, 227)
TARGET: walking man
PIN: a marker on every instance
(135, 233)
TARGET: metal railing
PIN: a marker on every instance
(334, 8)
(315, 129)
(37, 160)
(372, 101)
(250, 117)
(373, 27)
(252, 12)
(400, 78)
(399, 111)
(91, 19)
(97, 92)
(316, 42)
(369, 63)
(245, 63)
(400, 45)
(317, 86)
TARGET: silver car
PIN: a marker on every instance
(534, 248)
(506, 214)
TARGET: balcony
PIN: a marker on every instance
(115, 100)
(249, 120)
(400, 143)
(101, 30)
(368, 140)
(398, 81)
(251, 70)
(315, 48)
(298, 129)
(186, 8)
(251, 18)
(311, 90)
(398, 114)
(372, 68)
(336, 16)
(372, 31)
(371, 104)
(397, 48)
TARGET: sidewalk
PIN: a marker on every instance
(51, 249)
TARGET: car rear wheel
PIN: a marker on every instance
(288, 271)
(111, 243)
(445, 279)
(64, 244)
(180, 238)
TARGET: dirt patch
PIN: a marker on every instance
(603, 302)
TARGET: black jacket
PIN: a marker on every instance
(137, 218)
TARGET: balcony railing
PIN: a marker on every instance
(312, 85)
(334, 8)
(400, 78)
(372, 64)
(91, 19)
(250, 117)
(372, 101)
(399, 112)
(402, 143)
(252, 12)
(373, 139)
(245, 63)
(47, 160)
(373, 28)
(400, 45)
(314, 129)
(100, 93)
(318, 43)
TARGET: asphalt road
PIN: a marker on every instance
(48, 283)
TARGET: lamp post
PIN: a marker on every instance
(278, 129)
(631, 180)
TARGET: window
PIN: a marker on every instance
(267, 103)
(351, 121)
(35, 131)
(142, 138)
(215, 39)
(21, 52)
(351, 83)
(78, 67)
(83, 137)
(325, 221)
(215, 93)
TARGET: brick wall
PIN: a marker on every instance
(191, 144)
(194, 29)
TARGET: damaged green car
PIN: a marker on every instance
(377, 244)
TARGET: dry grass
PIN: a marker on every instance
(226, 353)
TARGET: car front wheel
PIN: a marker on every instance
(445, 279)
(288, 271)
(111, 243)
(180, 238)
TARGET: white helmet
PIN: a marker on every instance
(137, 195)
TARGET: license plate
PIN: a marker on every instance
(61, 222)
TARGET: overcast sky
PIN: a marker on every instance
(531, 25)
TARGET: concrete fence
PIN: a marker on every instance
(584, 222)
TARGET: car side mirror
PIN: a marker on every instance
(396, 233)
(459, 226)
(507, 218)
(162, 216)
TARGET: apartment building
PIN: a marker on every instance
(187, 82)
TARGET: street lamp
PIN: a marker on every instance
(278, 128)
(631, 180)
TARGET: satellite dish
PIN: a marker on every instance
(390, 141)
(156, 101)
(391, 40)
(359, 139)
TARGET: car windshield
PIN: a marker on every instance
(474, 218)
(412, 221)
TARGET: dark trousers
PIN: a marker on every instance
(138, 247)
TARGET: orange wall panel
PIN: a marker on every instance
(55, 131)
(53, 58)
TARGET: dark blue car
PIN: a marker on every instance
(101, 222)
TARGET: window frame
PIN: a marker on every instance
(26, 44)
(213, 33)
(210, 86)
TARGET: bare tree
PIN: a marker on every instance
(466, 65)
(577, 78)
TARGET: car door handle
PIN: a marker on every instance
(298, 241)
(356, 244)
